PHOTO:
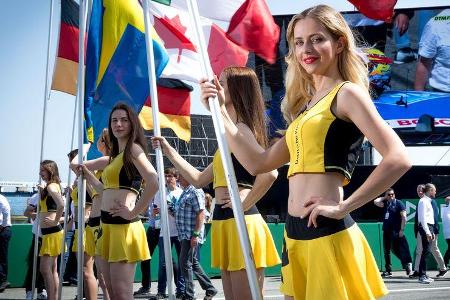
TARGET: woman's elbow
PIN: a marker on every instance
(401, 161)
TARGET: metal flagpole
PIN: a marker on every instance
(159, 156)
(62, 266)
(81, 179)
(219, 129)
(44, 115)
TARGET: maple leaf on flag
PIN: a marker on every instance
(173, 32)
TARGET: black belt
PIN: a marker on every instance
(51, 230)
(94, 221)
(297, 228)
(107, 218)
(220, 213)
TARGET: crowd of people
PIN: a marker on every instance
(325, 254)
(426, 230)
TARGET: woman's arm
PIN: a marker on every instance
(57, 197)
(94, 164)
(93, 181)
(195, 177)
(262, 184)
(354, 104)
(243, 144)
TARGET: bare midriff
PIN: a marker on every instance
(305, 186)
(114, 198)
(43, 215)
(222, 195)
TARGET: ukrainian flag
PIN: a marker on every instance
(116, 61)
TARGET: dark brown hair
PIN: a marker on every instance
(245, 93)
(104, 137)
(136, 136)
(52, 168)
(171, 171)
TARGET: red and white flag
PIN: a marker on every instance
(376, 9)
(174, 27)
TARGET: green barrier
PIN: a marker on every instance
(21, 241)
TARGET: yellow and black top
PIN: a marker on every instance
(320, 142)
(74, 196)
(47, 203)
(243, 178)
(114, 176)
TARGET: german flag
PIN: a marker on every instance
(174, 103)
(66, 65)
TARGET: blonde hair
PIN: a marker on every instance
(299, 84)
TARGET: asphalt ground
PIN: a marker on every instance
(399, 285)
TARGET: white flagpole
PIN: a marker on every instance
(159, 156)
(81, 179)
(219, 129)
(44, 116)
(62, 266)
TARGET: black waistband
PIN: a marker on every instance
(51, 230)
(297, 228)
(94, 221)
(227, 213)
(76, 224)
(108, 219)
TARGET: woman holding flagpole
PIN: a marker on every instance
(92, 228)
(122, 240)
(51, 209)
(329, 111)
(245, 103)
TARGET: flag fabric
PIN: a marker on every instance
(376, 9)
(174, 108)
(248, 23)
(174, 27)
(116, 60)
(66, 65)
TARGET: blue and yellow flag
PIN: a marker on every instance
(116, 61)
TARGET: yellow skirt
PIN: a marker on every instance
(334, 266)
(226, 253)
(91, 239)
(122, 242)
(52, 241)
(75, 240)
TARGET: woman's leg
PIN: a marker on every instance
(103, 268)
(46, 267)
(226, 283)
(122, 276)
(89, 277)
(240, 285)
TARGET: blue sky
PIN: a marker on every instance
(24, 33)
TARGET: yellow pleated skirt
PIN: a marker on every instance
(335, 266)
(226, 251)
(75, 240)
(52, 242)
(122, 242)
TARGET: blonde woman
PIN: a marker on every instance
(329, 111)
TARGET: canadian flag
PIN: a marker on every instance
(174, 27)
(249, 27)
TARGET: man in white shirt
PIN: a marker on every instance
(5, 236)
(434, 52)
(426, 229)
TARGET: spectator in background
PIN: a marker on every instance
(152, 242)
(189, 215)
(30, 212)
(426, 229)
(393, 232)
(5, 236)
(173, 193)
(434, 54)
(208, 207)
(445, 213)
